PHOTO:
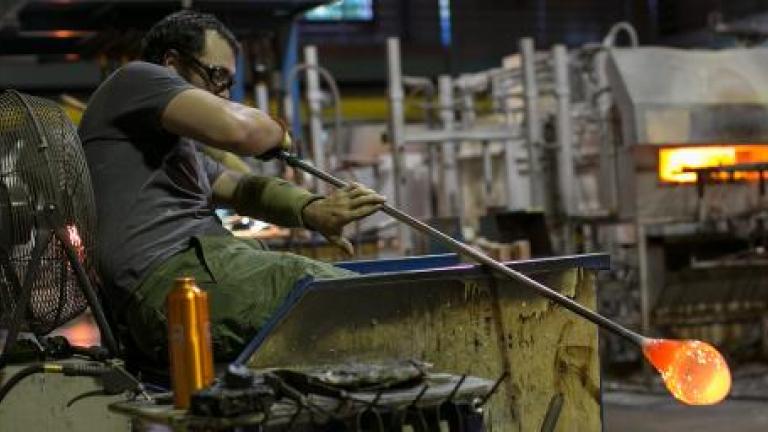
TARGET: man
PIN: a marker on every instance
(156, 192)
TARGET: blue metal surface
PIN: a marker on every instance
(237, 93)
(401, 264)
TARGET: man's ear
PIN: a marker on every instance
(171, 59)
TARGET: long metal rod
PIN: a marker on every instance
(478, 256)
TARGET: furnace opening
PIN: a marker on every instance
(675, 162)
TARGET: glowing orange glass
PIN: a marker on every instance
(673, 160)
(693, 371)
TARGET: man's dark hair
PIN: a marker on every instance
(183, 31)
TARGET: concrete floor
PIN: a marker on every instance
(634, 412)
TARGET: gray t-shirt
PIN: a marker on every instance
(153, 188)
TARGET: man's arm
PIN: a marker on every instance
(230, 126)
(279, 202)
(229, 160)
(224, 187)
(270, 199)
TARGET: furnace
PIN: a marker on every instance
(686, 175)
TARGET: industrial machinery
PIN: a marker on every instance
(655, 155)
(688, 161)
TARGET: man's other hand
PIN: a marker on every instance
(329, 215)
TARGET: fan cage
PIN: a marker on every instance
(41, 164)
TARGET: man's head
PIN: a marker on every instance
(197, 46)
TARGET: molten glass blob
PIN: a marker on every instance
(693, 371)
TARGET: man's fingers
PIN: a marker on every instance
(366, 200)
(361, 212)
(342, 243)
(352, 186)
(359, 188)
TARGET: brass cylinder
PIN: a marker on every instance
(189, 340)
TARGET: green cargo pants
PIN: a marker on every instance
(245, 285)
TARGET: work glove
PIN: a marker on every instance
(330, 214)
(286, 144)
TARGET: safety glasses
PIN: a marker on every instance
(218, 77)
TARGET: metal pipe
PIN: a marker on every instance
(261, 93)
(454, 136)
(645, 289)
(487, 174)
(467, 108)
(564, 129)
(314, 100)
(478, 256)
(532, 121)
(515, 188)
(610, 39)
(397, 134)
(432, 149)
(468, 118)
(451, 200)
(608, 173)
(565, 160)
(336, 94)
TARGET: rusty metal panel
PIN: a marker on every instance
(463, 321)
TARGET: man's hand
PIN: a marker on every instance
(329, 215)
(286, 143)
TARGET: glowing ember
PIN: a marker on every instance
(76, 241)
(693, 371)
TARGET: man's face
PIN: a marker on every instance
(214, 70)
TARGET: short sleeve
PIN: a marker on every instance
(142, 91)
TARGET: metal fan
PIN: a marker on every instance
(47, 221)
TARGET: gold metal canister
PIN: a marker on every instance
(189, 340)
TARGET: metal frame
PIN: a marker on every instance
(458, 94)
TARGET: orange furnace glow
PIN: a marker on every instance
(673, 160)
